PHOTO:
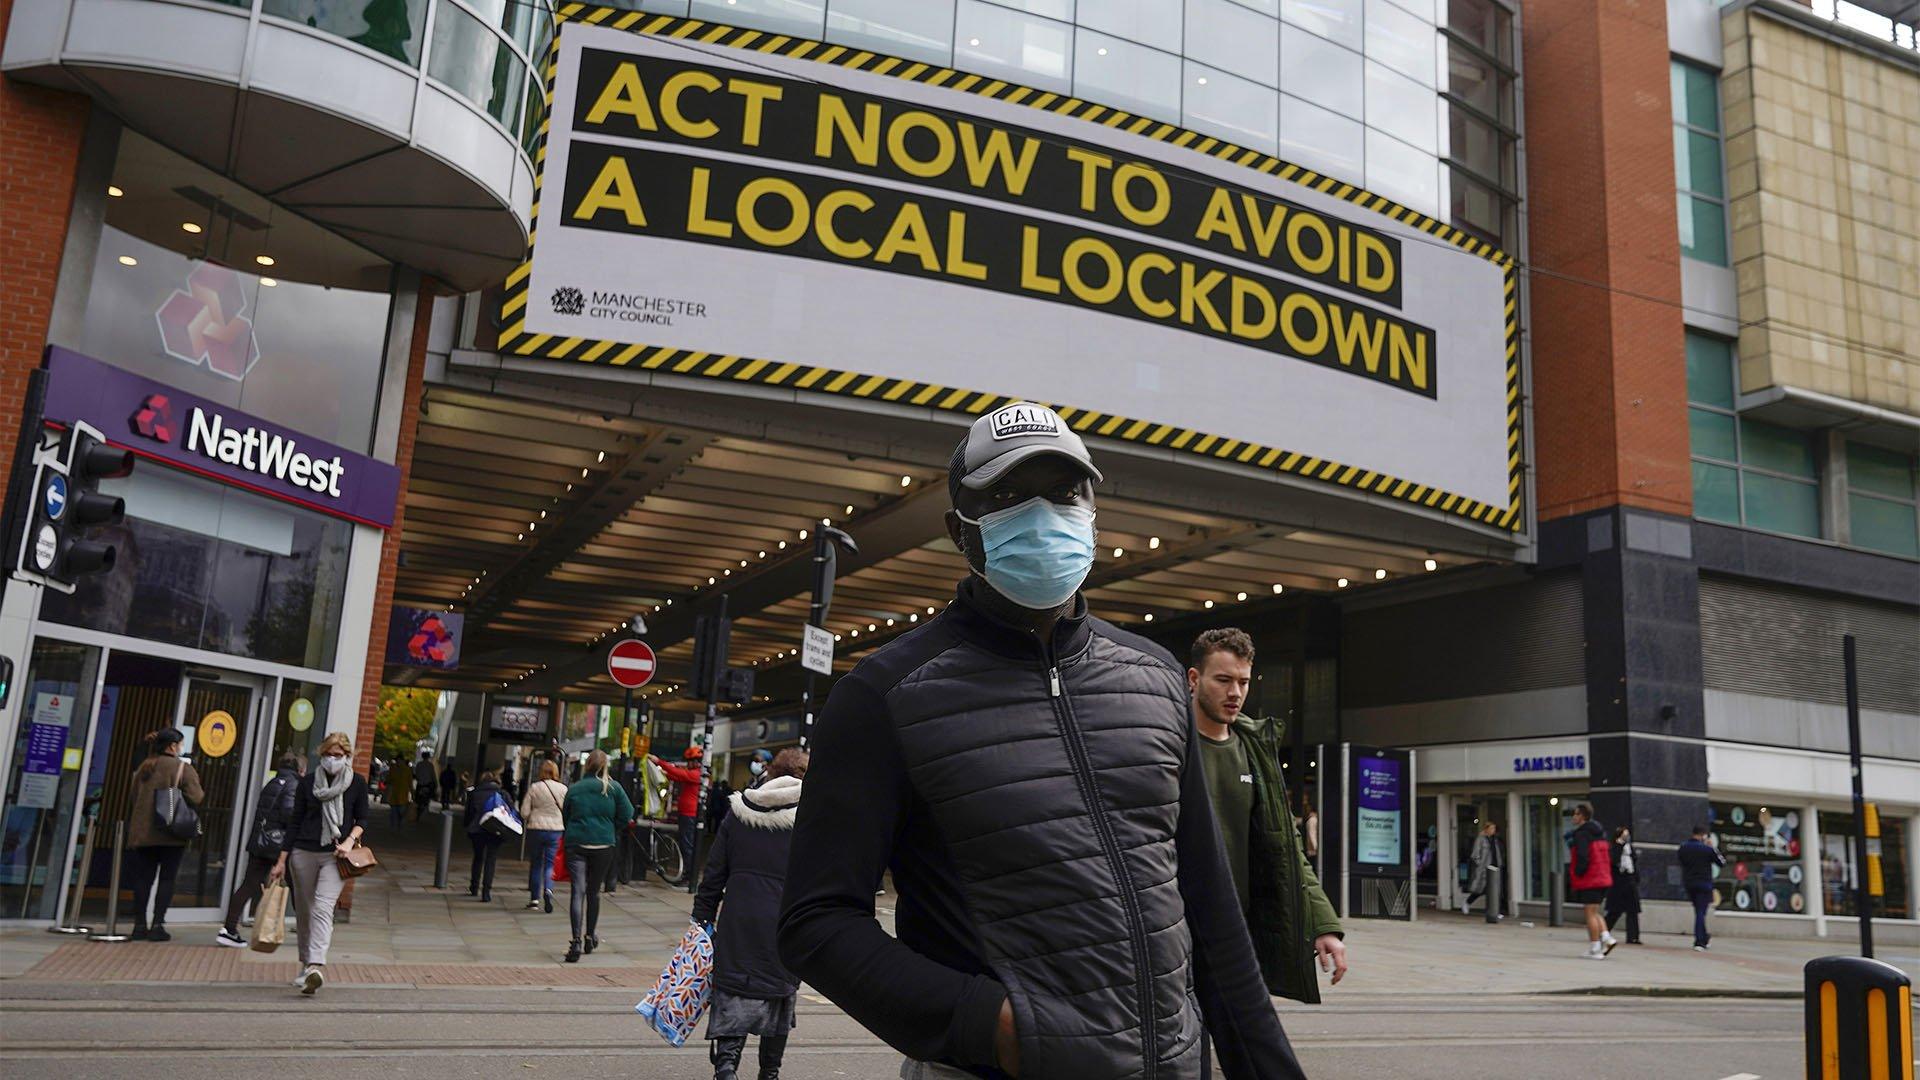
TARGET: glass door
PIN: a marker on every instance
(41, 793)
(217, 713)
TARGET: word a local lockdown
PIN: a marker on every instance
(792, 212)
(263, 452)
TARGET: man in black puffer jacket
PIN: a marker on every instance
(1029, 775)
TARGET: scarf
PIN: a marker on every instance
(332, 807)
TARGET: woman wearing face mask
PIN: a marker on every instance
(330, 815)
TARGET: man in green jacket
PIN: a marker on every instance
(1288, 913)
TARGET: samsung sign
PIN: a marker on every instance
(1551, 763)
(160, 422)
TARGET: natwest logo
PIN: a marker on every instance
(264, 452)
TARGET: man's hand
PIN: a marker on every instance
(1333, 955)
(1006, 1042)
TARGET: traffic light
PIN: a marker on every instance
(736, 686)
(59, 546)
(710, 641)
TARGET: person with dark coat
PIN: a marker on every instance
(272, 818)
(329, 818)
(449, 786)
(1486, 858)
(1030, 776)
(1700, 863)
(1589, 876)
(753, 994)
(1623, 896)
(486, 843)
(153, 855)
(425, 782)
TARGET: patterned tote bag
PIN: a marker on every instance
(679, 996)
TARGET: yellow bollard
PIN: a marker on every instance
(1859, 1020)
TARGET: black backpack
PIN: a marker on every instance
(274, 817)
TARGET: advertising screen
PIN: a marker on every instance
(421, 638)
(1381, 817)
(818, 219)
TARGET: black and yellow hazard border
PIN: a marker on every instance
(516, 341)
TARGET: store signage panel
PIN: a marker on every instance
(818, 218)
(158, 421)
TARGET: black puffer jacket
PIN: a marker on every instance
(1045, 817)
(748, 866)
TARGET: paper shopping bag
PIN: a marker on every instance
(270, 917)
(679, 996)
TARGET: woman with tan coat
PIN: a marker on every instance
(543, 808)
(154, 855)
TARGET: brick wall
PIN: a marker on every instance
(1609, 367)
(390, 546)
(40, 133)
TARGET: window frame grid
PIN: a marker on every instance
(1682, 184)
(1739, 464)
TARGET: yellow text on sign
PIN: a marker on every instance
(218, 732)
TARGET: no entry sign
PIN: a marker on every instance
(630, 662)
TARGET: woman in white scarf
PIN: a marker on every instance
(329, 817)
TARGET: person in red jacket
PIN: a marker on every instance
(1590, 875)
(686, 797)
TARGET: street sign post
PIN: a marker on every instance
(631, 663)
(816, 652)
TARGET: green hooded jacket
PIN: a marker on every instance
(1289, 908)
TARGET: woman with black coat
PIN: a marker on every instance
(486, 844)
(746, 871)
(1623, 896)
(273, 816)
(329, 818)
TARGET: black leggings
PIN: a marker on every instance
(589, 868)
(144, 866)
(248, 891)
(486, 851)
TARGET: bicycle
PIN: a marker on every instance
(655, 845)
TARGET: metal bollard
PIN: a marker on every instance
(113, 887)
(445, 855)
(72, 925)
(1494, 895)
(1859, 1020)
(1556, 898)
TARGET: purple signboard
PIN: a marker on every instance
(421, 638)
(157, 421)
(1377, 799)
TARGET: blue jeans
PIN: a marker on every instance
(541, 844)
(1702, 897)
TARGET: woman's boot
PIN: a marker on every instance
(573, 952)
(725, 1055)
(772, 1048)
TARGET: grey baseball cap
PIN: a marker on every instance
(1010, 435)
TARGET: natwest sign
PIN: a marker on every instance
(157, 421)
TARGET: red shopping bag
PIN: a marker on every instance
(560, 861)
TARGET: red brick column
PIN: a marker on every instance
(40, 135)
(390, 546)
(1609, 359)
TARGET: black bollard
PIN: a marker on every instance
(445, 855)
(1494, 895)
(1859, 1020)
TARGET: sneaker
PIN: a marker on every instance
(312, 981)
(139, 933)
(1608, 944)
(300, 980)
(1595, 954)
(533, 905)
(546, 903)
(230, 939)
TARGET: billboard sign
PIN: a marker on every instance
(817, 218)
(418, 637)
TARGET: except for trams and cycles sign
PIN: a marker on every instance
(816, 651)
(630, 662)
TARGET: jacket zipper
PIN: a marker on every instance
(1083, 775)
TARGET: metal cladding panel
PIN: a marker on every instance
(1761, 638)
(1491, 641)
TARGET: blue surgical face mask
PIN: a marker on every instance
(1037, 553)
(756, 767)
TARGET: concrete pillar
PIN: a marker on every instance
(1515, 851)
(1811, 886)
(1446, 863)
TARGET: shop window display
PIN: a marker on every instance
(1838, 867)
(1763, 872)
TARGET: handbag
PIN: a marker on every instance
(269, 825)
(356, 862)
(270, 917)
(501, 821)
(560, 861)
(680, 995)
(172, 813)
